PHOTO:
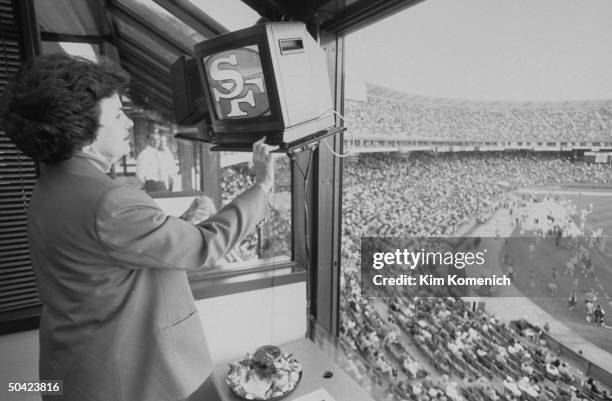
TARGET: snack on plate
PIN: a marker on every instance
(268, 374)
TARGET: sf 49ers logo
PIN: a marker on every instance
(237, 83)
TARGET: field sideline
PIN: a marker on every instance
(568, 325)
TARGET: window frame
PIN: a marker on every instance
(325, 273)
(217, 280)
(259, 274)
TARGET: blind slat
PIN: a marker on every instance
(19, 290)
(17, 227)
(25, 302)
(9, 227)
(14, 210)
(13, 218)
(17, 267)
(15, 258)
(9, 287)
(15, 247)
(15, 274)
(13, 237)
(17, 282)
(15, 191)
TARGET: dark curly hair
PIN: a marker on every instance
(52, 108)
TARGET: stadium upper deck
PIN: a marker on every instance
(387, 112)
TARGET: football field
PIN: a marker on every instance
(541, 273)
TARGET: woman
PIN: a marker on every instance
(119, 321)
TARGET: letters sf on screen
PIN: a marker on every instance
(231, 87)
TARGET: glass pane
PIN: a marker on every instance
(65, 16)
(433, 160)
(125, 29)
(162, 19)
(86, 50)
(273, 239)
(232, 14)
(170, 170)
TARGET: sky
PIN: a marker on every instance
(508, 50)
(232, 14)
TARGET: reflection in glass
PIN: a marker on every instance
(145, 41)
(65, 16)
(170, 171)
(164, 20)
(86, 50)
(159, 163)
(273, 238)
(156, 166)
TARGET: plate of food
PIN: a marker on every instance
(269, 374)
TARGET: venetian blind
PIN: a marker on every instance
(17, 178)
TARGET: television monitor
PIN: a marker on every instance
(269, 79)
(190, 106)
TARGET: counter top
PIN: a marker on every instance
(314, 365)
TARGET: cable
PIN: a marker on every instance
(307, 231)
(305, 176)
(350, 152)
(306, 207)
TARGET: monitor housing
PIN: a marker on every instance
(190, 106)
(266, 80)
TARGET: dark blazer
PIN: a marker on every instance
(119, 321)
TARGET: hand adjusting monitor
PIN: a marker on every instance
(269, 79)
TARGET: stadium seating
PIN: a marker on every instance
(391, 113)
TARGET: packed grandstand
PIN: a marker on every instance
(437, 348)
(382, 111)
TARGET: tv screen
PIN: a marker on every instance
(269, 79)
(237, 83)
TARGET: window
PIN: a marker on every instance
(162, 19)
(128, 30)
(273, 238)
(440, 190)
(175, 172)
(158, 163)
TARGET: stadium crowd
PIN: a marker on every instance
(423, 195)
(428, 195)
(273, 239)
(474, 355)
(386, 112)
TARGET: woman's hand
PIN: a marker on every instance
(263, 164)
